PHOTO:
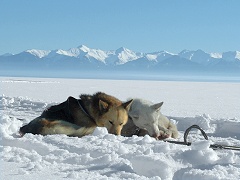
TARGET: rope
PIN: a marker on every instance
(213, 146)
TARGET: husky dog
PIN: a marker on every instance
(79, 117)
(147, 115)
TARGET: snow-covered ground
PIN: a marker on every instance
(215, 106)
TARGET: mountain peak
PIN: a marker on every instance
(199, 50)
(38, 53)
(83, 48)
(125, 55)
(122, 49)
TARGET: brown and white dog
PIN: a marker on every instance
(79, 117)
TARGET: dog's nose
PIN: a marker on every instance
(113, 131)
(116, 132)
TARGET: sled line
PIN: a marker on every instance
(213, 146)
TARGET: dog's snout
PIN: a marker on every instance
(115, 130)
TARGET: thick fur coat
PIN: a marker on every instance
(79, 117)
(146, 115)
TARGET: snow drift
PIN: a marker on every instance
(106, 156)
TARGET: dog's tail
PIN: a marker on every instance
(49, 126)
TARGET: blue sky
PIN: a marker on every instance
(140, 25)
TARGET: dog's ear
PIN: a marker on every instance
(157, 106)
(103, 106)
(127, 105)
(85, 97)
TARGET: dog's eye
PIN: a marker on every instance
(135, 117)
(121, 124)
(111, 122)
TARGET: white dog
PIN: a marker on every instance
(147, 115)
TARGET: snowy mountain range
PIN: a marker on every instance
(84, 58)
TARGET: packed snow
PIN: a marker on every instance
(214, 106)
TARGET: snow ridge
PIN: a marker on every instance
(38, 53)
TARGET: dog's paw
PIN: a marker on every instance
(164, 135)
